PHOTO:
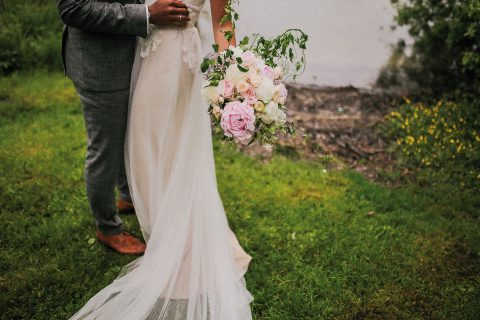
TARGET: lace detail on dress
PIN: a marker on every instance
(151, 43)
(191, 46)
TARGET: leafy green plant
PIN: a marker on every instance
(444, 137)
(445, 57)
(30, 35)
(325, 246)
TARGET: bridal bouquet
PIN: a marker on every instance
(245, 85)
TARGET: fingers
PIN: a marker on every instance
(179, 11)
(178, 4)
(179, 18)
(169, 12)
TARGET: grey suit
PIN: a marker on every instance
(98, 50)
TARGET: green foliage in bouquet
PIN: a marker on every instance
(287, 48)
(284, 55)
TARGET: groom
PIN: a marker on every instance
(98, 49)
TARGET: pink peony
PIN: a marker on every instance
(238, 121)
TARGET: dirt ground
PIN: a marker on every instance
(342, 122)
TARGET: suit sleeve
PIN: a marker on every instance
(96, 16)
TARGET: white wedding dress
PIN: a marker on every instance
(193, 267)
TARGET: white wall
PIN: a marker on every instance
(349, 39)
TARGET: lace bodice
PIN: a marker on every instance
(191, 44)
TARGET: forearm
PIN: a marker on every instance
(218, 11)
(105, 17)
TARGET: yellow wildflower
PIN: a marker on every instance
(409, 140)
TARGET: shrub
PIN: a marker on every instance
(30, 35)
(445, 136)
(445, 56)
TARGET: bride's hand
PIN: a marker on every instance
(169, 12)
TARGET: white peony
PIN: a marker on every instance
(273, 114)
(234, 75)
(265, 90)
(259, 64)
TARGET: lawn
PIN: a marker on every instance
(324, 245)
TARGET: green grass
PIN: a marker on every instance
(324, 246)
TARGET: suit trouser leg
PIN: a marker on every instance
(122, 182)
(105, 116)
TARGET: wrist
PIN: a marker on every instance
(149, 10)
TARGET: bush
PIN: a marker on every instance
(444, 137)
(30, 35)
(445, 57)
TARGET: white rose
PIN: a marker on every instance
(278, 72)
(256, 81)
(234, 75)
(217, 112)
(276, 114)
(211, 94)
(280, 95)
(242, 87)
(259, 106)
(276, 95)
(273, 114)
(265, 90)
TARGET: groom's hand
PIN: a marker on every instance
(169, 12)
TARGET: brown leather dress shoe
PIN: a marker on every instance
(125, 206)
(123, 242)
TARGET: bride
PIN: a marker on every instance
(193, 266)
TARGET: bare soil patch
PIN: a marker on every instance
(342, 122)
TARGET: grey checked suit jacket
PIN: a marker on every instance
(98, 44)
